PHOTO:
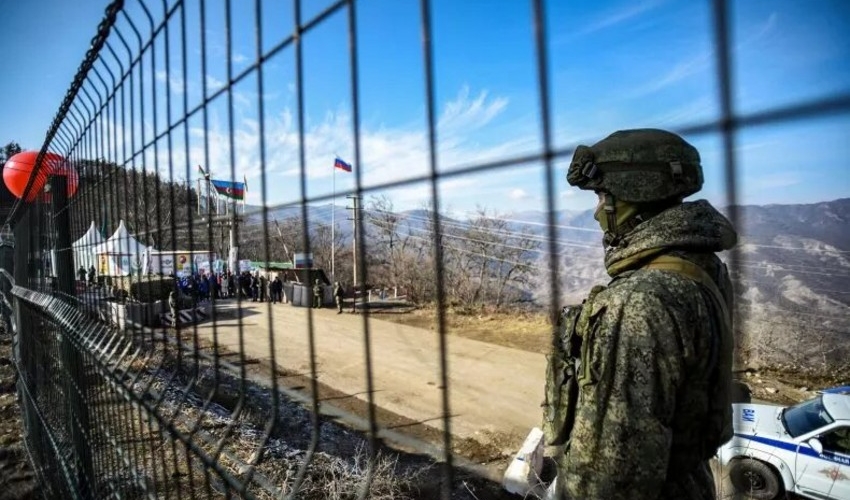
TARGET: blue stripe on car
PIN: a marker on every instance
(804, 450)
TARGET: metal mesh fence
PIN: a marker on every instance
(126, 396)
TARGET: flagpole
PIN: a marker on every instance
(333, 229)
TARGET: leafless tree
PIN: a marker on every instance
(156, 211)
(387, 240)
(495, 259)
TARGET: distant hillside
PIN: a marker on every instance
(793, 301)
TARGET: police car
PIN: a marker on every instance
(802, 449)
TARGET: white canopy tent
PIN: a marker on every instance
(121, 254)
(84, 254)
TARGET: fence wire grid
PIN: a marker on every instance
(117, 403)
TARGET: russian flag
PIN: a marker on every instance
(342, 165)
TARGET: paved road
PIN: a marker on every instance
(492, 388)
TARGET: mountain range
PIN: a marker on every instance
(791, 276)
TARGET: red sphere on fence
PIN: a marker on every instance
(18, 168)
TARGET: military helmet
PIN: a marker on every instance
(638, 166)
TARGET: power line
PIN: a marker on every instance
(749, 280)
(800, 249)
(576, 243)
(772, 309)
(795, 271)
(574, 228)
(804, 266)
(507, 233)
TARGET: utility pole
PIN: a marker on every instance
(283, 241)
(355, 215)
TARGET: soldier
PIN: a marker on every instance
(317, 294)
(638, 381)
(81, 273)
(339, 293)
(172, 306)
(91, 275)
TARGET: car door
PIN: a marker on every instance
(825, 475)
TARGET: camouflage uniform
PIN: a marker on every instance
(172, 307)
(339, 295)
(317, 295)
(652, 367)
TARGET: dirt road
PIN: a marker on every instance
(495, 392)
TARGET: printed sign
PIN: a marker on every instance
(103, 264)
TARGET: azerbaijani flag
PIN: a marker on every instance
(342, 165)
(235, 190)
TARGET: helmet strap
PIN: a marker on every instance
(611, 237)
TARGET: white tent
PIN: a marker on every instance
(121, 254)
(84, 254)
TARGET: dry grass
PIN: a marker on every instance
(524, 330)
(333, 478)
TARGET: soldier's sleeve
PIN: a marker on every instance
(619, 447)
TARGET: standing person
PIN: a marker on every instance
(638, 382)
(317, 294)
(246, 285)
(263, 287)
(277, 290)
(255, 285)
(172, 307)
(81, 273)
(339, 293)
(91, 276)
(203, 288)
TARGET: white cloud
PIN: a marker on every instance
(518, 194)
(463, 112)
(470, 133)
(762, 30)
(689, 67)
(700, 109)
(175, 83)
(386, 154)
(612, 18)
(573, 198)
(213, 83)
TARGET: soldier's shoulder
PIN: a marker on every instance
(647, 288)
(661, 283)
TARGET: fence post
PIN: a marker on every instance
(72, 360)
(24, 341)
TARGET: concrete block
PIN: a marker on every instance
(523, 474)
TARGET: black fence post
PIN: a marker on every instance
(24, 340)
(72, 359)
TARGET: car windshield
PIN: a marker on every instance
(805, 417)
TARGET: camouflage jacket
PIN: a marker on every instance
(653, 369)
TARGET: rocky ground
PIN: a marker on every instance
(17, 480)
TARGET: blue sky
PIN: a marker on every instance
(614, 65)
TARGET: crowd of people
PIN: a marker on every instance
(254, 286)
(205, 286)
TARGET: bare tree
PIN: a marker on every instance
(388, 242)
(488, 261)
(156, 211)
